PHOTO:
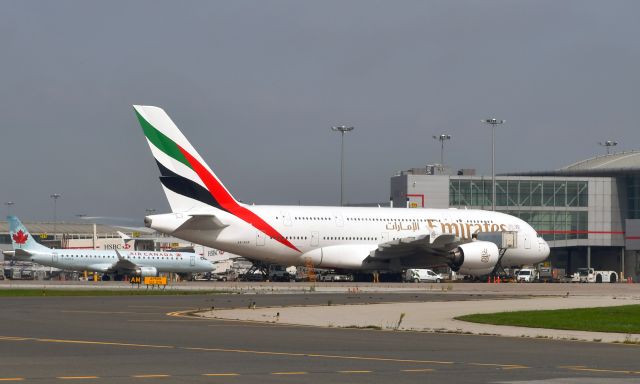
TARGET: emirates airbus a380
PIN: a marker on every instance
(351, 238)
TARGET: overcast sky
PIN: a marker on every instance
(256, 86)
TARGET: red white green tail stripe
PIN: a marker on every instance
(184, 173)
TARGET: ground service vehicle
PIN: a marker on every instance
(280, 273)
(590, 275)
(335, 277)
(422, 276)
(526, 275)
(552, 275)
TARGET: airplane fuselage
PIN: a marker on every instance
(357, 230)
(101, 261)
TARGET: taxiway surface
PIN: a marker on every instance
(141, 338)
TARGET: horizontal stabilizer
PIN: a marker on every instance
(202, 222)
(22, 253)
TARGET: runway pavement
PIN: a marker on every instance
(142, 339)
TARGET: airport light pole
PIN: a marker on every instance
(342, 129)
(55, 197)
(443, 137)
(608, 144)
(9, 204)
(493, 123)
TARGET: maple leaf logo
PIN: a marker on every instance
(20, 237)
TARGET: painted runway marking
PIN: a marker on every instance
(417, 370)
(220, 374)
(288, 373)
(112, 312)
(162, 321)
(503, 366)
(150, 376)
(62, 341)
(77, 377)
(348, 372)
(11, 378)
(587, 369)
(226, 350)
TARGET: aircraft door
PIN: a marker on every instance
(338, 219)
(527, 241)
(260, 239)
(384, 237)
(315, 239)
(286, 218)
(54, 258)
(193, 261)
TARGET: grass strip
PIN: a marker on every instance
(31, 292)
(622, 319)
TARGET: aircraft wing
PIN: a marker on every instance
(122, 264)
(438, 245)
(100, 267)
(202, 222)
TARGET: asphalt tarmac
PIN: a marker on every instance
(143, 339)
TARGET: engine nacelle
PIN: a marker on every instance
(146, 271)
(476, 258)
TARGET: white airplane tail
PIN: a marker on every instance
(21, 239)
(187, 180)
(189, 183)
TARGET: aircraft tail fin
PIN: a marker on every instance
(21, 239)
(187, 180)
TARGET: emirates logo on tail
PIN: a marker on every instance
(20, 237)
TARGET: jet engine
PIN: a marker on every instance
(146, 271)
(476, 258)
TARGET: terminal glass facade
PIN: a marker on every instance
(518, 193)
(557, 209)
(633, 197)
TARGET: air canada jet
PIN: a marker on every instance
(107, 262)
(472, 242)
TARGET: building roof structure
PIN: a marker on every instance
(611, 165)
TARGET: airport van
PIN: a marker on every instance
(526, 275)
(422, 276)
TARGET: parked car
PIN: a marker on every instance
(335, 277)
(422, 276)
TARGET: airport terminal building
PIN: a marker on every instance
(589, 211)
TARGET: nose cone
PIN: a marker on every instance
(545, 250)
(206, 265)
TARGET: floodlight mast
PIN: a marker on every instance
(493, 123)
(55, 197)
(608, 144)
(442, 139)
(342, 129)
